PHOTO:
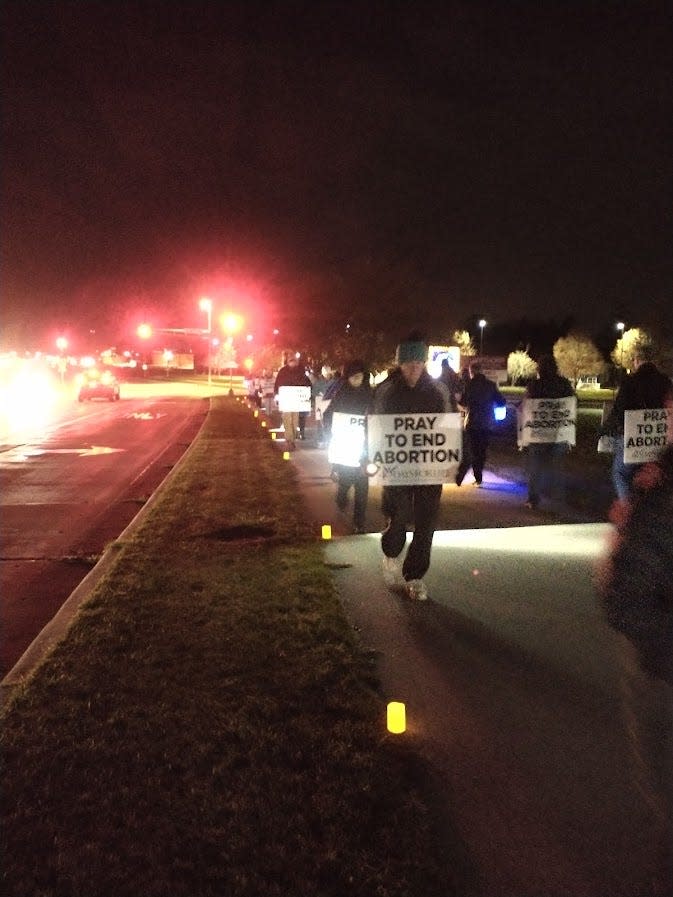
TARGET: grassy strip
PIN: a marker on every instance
(208, 726)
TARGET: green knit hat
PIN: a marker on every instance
(412, 350)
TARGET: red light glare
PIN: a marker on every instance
(231, 322)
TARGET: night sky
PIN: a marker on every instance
(308, 164)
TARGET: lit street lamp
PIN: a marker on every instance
(482, 324)
(620, 327)
(206, 305)
(62, 345)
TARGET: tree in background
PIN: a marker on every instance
(628, 346)
(520, 367)
(577, 356)
(463, 340)
(336, 349)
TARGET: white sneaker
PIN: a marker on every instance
(417, 590)
(392, 571)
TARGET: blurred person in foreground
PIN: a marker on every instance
(409, 389)
(354, 396)
(635, 585)
(544, 458)
(646, 387)
(478, 401)
(291, 374)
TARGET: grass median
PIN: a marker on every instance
(209, 725)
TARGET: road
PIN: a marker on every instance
(517, 693)
(70, 484)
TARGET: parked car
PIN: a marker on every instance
(97, 384)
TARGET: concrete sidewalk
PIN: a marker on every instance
(513, 685)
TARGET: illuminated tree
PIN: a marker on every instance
(520, 366)
(463, 340)
(577, 356)
(628, 346)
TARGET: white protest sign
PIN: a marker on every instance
(294, 398)
(415, 449)
(347, 445)
(645, 434)
(547, 420)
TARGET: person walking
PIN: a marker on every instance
(291, 374)
(544, 458)
(408, 389)
(646, 387)
(354, 396)
(478, 401)
(452, 380)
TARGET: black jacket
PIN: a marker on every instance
(395, 396)
(291, 376)
(480, 397)
(645, 388)
(350, 400)
(554, 387)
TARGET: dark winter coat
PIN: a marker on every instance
(395, 396)
(552, 387)
(480, 397)
(291, 375)
(348, 400)
(645, 388)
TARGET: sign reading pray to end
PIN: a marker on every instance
(547, 420)
(646, 434)
(415, 449)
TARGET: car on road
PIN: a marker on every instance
(98, 384)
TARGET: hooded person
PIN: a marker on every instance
(353, 397)
(409, 389)
(480, 397)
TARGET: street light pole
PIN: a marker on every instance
(482, 324)
(207, 306)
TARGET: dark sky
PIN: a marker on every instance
(310, 163)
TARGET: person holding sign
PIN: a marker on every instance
(549, 425)
(647, 389)
(344, 424)
(292, 401)
(410, 390)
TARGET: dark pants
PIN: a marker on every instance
(622, 473)
(544, 462)
(475, 446)
(353, 476)
(411, 504)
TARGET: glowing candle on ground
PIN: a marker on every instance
(397, 717)
(326, 531)
(286, 456)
